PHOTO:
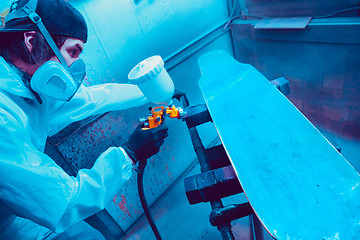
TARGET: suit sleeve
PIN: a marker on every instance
(32, 186)
(97, 99)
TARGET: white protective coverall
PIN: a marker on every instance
(34, 191)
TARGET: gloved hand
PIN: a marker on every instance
(143, 144)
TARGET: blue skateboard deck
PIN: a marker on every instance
(298, 184)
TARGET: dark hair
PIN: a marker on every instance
(41, 51)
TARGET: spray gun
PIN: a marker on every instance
(155, 83)
(153, 80)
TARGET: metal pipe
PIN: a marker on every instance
(230, 213)
(225, 229)
(194, 46)
(199, 150)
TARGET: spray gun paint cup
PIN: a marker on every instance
(153, 80)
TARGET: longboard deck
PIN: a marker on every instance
(298, 184)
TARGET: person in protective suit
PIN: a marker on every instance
(40, 87)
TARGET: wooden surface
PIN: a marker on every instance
(297, 183)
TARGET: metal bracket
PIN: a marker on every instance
(196, 115)
(282, 85)
(212, 185)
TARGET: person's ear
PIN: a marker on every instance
(29, 40)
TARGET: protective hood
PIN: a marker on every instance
(10, 81)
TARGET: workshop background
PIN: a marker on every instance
(320, 60)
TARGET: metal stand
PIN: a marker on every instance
(218, 179)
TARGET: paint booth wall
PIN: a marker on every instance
(320, 61)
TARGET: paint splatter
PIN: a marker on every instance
(121, 204)
(150, 190)
(167, 168)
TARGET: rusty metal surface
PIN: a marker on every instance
(321, 67)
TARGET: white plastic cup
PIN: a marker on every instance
(153, 80)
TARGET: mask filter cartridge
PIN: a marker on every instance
(53, 80)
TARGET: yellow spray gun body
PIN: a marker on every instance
(158, 114)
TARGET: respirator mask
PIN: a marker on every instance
(52, 79)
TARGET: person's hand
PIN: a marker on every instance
(143, 144)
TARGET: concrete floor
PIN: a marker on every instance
(176, 219)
